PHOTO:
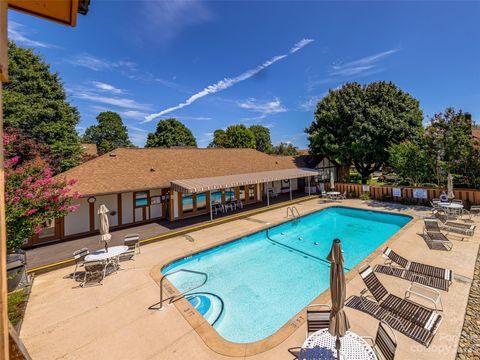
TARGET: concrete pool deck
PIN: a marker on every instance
(113, 321)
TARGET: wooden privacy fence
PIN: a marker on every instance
(385, 192)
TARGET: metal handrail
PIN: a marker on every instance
(182, 293)
(293, 209)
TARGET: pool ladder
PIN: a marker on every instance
(293, 211)
(173, 298)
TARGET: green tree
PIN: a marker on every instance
(220, 139)
(109, 134)
(358, 123)
(171, 132)
(411, 162)
(35, 102)
(239, 136)
(450, 142)
(262, 138)
(284, 149)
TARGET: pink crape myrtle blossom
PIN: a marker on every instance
(33, 197)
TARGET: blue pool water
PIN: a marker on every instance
(263, 281)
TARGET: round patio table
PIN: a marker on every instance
(321, 346)
(451, 208)
(333, 193)
(101, 255)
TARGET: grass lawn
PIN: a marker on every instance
(16, 302)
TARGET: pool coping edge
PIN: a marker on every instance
(224, 347)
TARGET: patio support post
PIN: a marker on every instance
(308, 181)
(268, 196)
(290, 183)
(210, 202)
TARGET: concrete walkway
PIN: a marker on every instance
(113, 321)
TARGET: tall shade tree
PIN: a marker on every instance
(239, 136)
(109, 134)
(219, 140)
(450, 142)
(35, 102)
(358, 123)
(411, 162)
(170, 132)
(262, 138)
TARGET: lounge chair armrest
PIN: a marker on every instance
(364, 292)
(369, 340)
(424, 287)
(425, 292)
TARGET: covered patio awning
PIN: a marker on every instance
(190, 186)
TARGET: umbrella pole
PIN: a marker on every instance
(337, 346)
(106, 246)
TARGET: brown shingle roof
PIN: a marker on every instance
(89, 149)
(131, 169)
(476, 133)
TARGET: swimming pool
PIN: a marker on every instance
(264, 279)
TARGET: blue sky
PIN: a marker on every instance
(212, 64)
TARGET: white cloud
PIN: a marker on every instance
(90, 62)
(138, 138)
(133, 114)
(17, 33)
(124, 67)
(196, 118)
(125, 114)
(204, 139)
(120, 102)
(166, 19)
(360, 66)
(95, 63)
(302, 43)
(311, 103)
(264, 108)
(107, 87)
(136, 128)
(222, 85)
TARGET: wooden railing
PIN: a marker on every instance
(385, 192)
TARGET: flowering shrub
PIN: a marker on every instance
(32, 197)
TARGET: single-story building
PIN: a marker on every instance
(143, 185)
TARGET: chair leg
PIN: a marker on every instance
(75, 271)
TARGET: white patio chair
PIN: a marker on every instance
(133, 243)
(95, 272)
(79, 257)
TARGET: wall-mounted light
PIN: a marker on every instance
(91, 199)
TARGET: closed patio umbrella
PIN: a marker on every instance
(104, 225)
(338, 319)
(451, 195)
(332, 181)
